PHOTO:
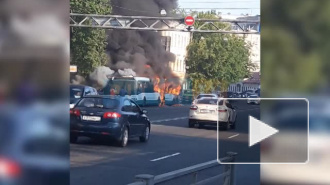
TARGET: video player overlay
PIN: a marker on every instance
(264, 130)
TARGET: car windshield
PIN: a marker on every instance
(209, 101)
(205, 96)
(76, 92)
(105, 103)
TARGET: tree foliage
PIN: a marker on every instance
(215, 60)
(295, 45)
(88, 44)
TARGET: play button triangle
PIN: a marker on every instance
(259, 131)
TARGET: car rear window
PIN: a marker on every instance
(205, 96)
(105, 103)
(209, 101)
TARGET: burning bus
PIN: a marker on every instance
(144, 91)
(139, 89)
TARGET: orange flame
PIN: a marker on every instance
(165, 87)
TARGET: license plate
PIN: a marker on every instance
(204, 111)
(91, 118)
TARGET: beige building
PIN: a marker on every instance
(254, 41)
(176, 42)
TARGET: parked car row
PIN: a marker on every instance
(244, 94)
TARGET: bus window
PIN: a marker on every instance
(115, 86)
(141, 87)
(130, 87)
(149, 87)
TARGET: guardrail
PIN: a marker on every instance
(227, 176)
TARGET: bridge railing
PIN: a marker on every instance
(189, 175)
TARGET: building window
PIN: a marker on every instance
(166, 42)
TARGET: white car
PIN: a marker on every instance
(206, 111)
(201, 96)
(253, 99)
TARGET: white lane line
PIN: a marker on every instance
(233, 136)
(165, 157)
(165, 120)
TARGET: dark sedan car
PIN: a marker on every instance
(109, 117)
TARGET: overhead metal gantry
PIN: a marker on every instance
(163, 24)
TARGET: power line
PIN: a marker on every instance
(218, 2)
(223, 8)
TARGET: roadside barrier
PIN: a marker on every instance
(192, 173)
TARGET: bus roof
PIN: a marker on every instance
(141, 79)
(131, 78)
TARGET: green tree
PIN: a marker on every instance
(215, 60)
(295, 46)
(88, 44)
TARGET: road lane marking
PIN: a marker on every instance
(165, 120)
(233, 136)
(165, 157)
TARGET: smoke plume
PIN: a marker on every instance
(127, 72)
(141, 51)
(100, 76)
(78, 80)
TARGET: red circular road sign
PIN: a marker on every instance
(189, 20)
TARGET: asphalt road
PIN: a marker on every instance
(172, 146)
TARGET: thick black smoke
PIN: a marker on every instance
(139, 49)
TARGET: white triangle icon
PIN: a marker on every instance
(259, 131)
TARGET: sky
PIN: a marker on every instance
(234, 7)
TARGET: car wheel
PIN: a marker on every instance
(122, 142)
(233, 124)
(201, 125)
(144, 102)
(227, 124)
(73, 139)
(145, 135)
(191, 124)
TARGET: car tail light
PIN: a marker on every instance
(9, 168)
(222, 110)
(75, 112)
(194, 107)
(111, 115)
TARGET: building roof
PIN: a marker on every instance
(254, 79)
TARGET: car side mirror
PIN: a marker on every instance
(144, 111)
